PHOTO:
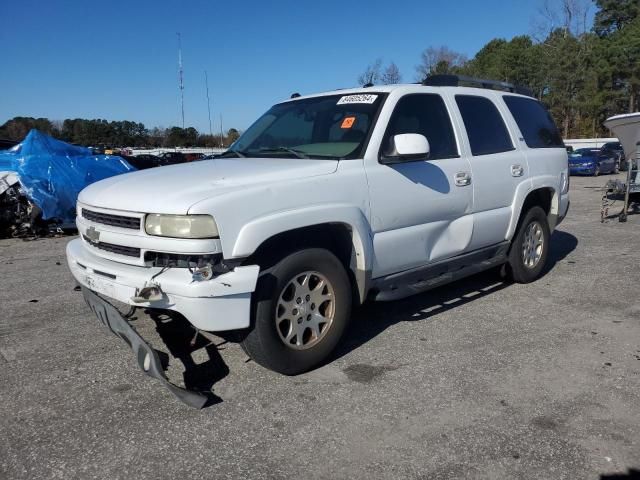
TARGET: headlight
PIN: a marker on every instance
(181, 226)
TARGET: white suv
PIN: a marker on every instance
(324, 202)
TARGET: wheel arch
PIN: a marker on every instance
(347, 235)
(545, 197)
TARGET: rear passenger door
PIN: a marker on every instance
(497, 167)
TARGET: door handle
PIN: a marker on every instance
(462, 179)
(517, 170)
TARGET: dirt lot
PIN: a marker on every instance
(477, 379)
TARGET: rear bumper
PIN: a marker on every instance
(145, 355)
(222, 303)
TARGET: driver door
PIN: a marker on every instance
(421, 211)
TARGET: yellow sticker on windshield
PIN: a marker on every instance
(348, 122)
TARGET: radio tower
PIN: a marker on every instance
(180, 81)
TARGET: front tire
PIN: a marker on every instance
(301, 309)
(530, 247)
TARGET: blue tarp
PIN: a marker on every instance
(53, 172)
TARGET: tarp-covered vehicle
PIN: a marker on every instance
(40, 179)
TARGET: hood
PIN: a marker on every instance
(174, 189)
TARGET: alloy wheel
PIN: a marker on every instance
(532, 245)
(305, 310)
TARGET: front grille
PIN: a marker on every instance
(113, 220)
(112, 248)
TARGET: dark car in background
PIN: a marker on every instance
(144, 161)
(615, 148)
(592, 161)
(173, 157)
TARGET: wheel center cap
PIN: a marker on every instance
(302, 309)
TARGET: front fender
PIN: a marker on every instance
(257, 231)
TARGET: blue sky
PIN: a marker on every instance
(118, 59)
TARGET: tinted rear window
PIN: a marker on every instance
(535, 122)
(485, 128)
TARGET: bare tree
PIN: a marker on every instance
(372, 74)
(572, 16)
(391, 75)
(438, 60)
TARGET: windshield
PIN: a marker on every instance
(335, 127)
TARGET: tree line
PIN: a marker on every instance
(125, 133)
(583, 73)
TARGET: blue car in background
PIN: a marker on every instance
(592, 161)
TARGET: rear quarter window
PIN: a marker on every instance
(535, 122)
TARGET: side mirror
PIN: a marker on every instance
(406, 147)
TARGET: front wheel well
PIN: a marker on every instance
(335, 237)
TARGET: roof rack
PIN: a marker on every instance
(465, 81)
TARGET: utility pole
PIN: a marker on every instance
(206, 83)
(180, 79)
(221, 133)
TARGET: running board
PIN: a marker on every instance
(421, 279)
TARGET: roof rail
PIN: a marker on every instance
(465, 81)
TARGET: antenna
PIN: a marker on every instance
(180, 80)
(206, 83)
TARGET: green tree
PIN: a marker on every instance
(18, 127)
(614, 15)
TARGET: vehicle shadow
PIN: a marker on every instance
(633, 474)
(373, 318)
(184, 345)
(562, 244)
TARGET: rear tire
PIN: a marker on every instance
(529, 247)
(301, 309)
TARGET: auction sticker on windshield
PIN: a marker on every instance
(365, 98)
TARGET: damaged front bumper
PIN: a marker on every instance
(145, 355)
(222, 303)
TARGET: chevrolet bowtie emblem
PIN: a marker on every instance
(93, 235)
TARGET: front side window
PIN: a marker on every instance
(335, 127)
(485, 127)
(427, 115)
(535, 122)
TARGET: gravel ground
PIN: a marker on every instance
(477, 379)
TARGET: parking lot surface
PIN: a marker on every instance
(479, 379)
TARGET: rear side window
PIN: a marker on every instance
(426, 114)
(535, 122)
(485, 126)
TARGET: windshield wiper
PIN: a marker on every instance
(292, 151)
(238, 153)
